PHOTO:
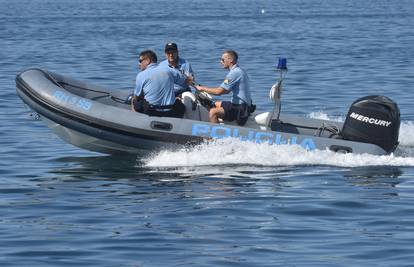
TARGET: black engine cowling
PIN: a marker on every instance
(373, 119)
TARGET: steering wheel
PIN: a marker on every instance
(205, 95)
(204, 98)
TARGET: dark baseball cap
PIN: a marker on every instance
(171, 47)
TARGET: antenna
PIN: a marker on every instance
(282, 68)
(276, 90)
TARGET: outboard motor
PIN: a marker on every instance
(373, 119)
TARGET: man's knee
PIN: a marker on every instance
(212, 112)
(216, 113)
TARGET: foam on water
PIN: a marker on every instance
(406, 137)
(233, 151)
(323, 116)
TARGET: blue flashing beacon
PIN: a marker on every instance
(282, 64)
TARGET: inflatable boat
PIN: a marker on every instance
(100, 119)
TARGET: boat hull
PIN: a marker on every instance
(98, 119)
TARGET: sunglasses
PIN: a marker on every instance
(222, 59)
(141, 59)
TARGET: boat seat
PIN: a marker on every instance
(193, 110)
(262, 119)
(265, 119)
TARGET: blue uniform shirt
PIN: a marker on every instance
(158, 84)
(184, 67)
(237, 82)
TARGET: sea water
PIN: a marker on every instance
(224, 203)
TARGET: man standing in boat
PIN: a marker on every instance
(154, 90)
(237, 82)
(178, 63)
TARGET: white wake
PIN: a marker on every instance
(235, 152)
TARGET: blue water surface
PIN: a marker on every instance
(63, 206)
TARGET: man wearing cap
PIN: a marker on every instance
(154, 90)
(179, 64)
(236, 82)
